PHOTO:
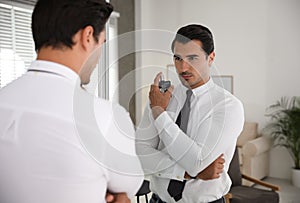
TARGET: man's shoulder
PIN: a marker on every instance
(224, 97)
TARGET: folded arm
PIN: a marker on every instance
(219, 131)
(154, 160)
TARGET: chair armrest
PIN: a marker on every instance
(257, 146)
(227, 197)
(265, 184)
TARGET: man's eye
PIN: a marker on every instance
(177, 58)
(191, 58)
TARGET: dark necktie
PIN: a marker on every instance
(175, 187)
(185, 111)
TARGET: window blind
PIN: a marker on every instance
(26, 2)
(16, 43)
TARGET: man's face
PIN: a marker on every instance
(92, 60)
(192, 63)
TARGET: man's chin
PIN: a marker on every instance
(185, 82)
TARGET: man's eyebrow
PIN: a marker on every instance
(192, 55)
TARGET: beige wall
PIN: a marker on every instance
(256, 41)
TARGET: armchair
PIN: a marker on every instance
(245, 194)
(253, 151)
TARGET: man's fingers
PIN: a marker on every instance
(153, 88)
(218, 172)
(109, 197)
(171, 89)
(221, 159)
(157, 78)
(216, 175)
(220, 166)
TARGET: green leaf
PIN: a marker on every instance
(284, 125)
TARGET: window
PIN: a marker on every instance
(104, 80)
(17, 49)
(16, 43)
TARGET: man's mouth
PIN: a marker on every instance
(186, 76)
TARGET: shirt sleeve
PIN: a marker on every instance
(214, 135)
(124, 170)
(154, 157)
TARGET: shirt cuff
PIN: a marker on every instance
(162, 121)
(178, 172)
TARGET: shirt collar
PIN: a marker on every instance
(203, 88)
(55, 68)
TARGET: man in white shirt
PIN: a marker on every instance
(59, 144)
(172, 153)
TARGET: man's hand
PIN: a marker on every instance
(212, 171)
(158, 100)
(117, 198)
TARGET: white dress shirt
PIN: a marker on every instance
(59, 144)
(166, 152)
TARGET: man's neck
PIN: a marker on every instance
(65, 56)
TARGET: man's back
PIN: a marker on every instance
(42, 155)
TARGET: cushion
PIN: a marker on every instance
(240, 149)
(257, 146)
(249, 133)
(245, 194)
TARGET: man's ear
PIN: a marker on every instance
(211, 58)
(87, 38)
(102, 37)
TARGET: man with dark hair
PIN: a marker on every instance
(58, 143)
(186, 134)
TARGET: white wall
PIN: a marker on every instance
(283, 67)
(258, 42)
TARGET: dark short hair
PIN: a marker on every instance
(55, 22)
(195, 32)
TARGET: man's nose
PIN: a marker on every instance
(184, 65)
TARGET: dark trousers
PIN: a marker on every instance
(155, 199)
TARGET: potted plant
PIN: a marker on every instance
(284, 127)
